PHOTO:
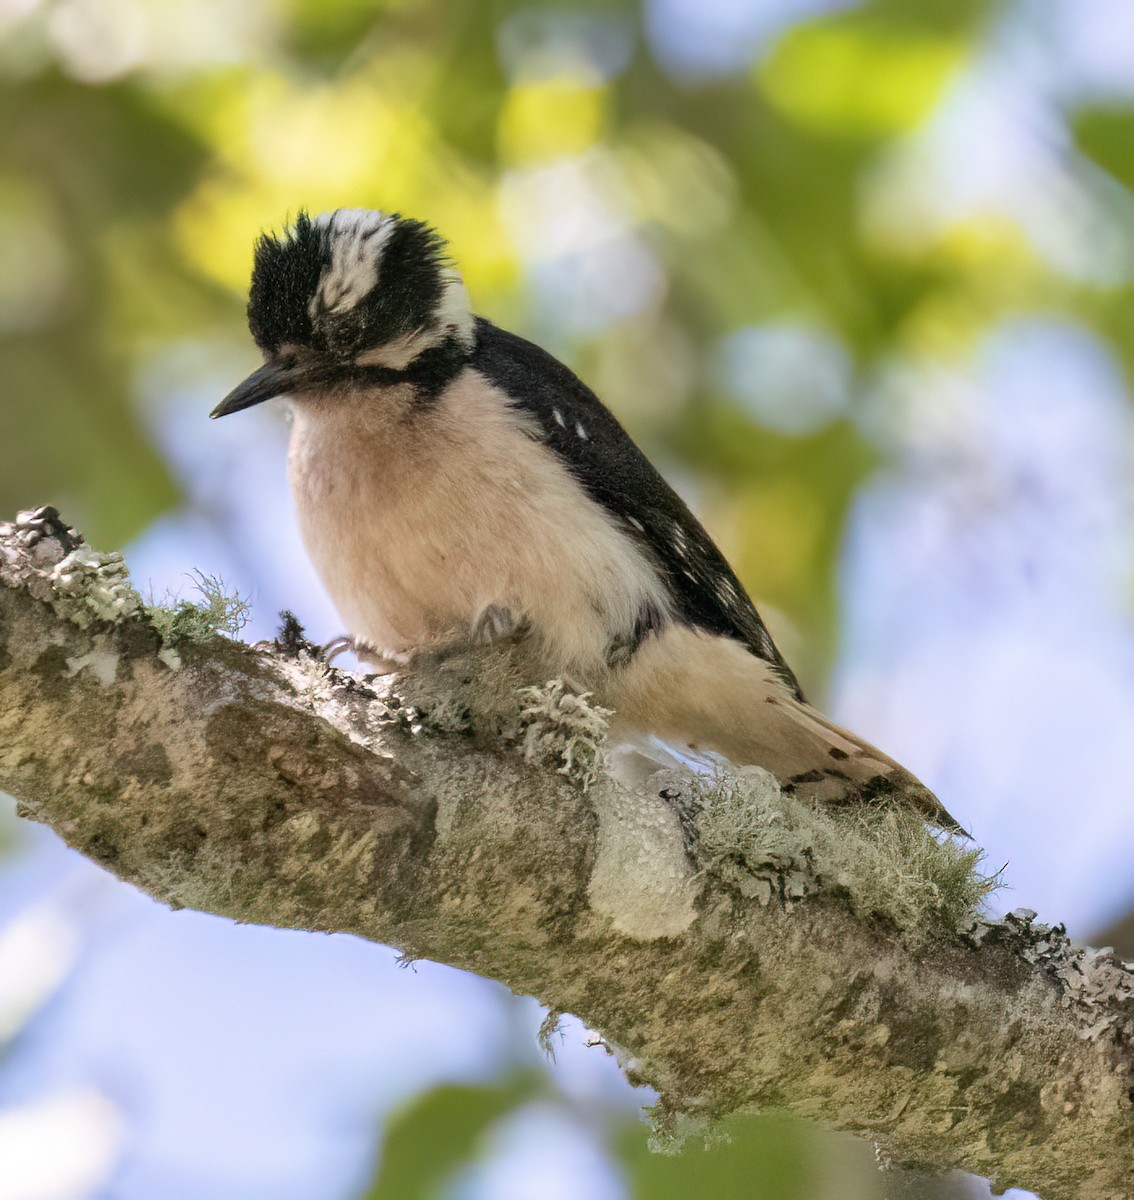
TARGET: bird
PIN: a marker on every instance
(454, 484)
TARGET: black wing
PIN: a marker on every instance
(601, 455)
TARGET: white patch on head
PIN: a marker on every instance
(580, 431)
(453, 318)
(453, 313)
(398, 354)
(355, 240)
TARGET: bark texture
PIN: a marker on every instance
(256, 783)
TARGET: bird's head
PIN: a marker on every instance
(345, 296)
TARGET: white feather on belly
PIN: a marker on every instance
(419, 515)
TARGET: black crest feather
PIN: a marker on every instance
(285, 274)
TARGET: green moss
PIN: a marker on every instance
(907, 870)
(89, 588)
(184, 621)
(885, 858)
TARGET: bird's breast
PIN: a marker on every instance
(416, 522)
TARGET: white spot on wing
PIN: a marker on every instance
(580, 431)
(559, 418)
(355, 240)
(637, 524)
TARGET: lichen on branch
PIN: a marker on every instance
(92, 588)
(888, 862)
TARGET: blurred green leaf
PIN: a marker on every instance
(745, 1158)
(1106, 135)
(324, 35)
(109, 153)
(80, 446)
(754, 1158)
(944, 16)
(859, 79)
(104, 159)
(441, 1131)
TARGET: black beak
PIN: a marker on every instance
(272, 379)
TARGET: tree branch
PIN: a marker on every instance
(259, 784)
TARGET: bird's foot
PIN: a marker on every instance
(384, 662)
(342, 644)
(496, 622)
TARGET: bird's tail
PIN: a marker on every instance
(711, 693)
(854, 771)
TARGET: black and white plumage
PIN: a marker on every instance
(453, 480)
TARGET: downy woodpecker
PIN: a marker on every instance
(454, 481)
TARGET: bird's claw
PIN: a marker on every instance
(494, 623)
(384, 662)
(336, 646)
